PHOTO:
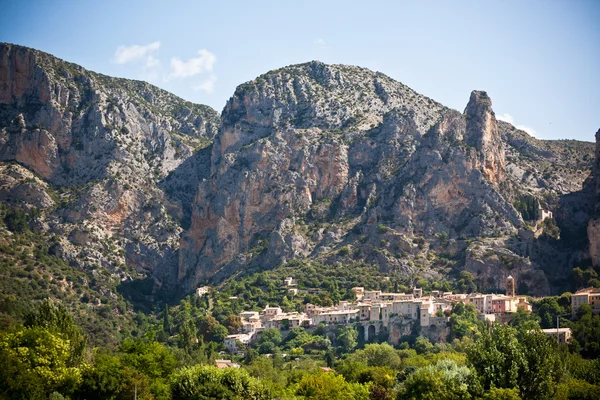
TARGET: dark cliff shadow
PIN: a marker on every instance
(181, 185)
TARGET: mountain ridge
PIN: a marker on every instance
(333, 163)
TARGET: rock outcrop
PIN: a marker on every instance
(312, 158)
(593, 229)
(99, 147)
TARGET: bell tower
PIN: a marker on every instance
(510, 286)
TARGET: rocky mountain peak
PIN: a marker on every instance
(333, 163)
(482, 133)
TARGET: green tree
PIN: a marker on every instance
(377, 355)
(56, 319)
(502, 394)
(443, 381)
(207, 382)
(575, 389)
(327, 386)
(34, 362)
(346, 339)
(497, 357)
(271, 335)
(167, 320)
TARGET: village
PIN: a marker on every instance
(374, 310)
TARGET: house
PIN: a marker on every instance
(231, 341)
(589, 296)
(360, 292)
(270, 312)
(563, 334)
(524, 305)
(336, 317)
(544, 213)
(226, 364)
(289, 281)
(201, 291)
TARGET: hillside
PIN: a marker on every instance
(117, 194)
(341, 164)
(89, 161)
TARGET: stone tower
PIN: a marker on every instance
(510, 286)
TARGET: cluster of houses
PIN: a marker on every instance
(590, 296)
(373, 306)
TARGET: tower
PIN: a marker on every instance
(510, 286)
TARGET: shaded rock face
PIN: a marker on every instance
(594, 224)
(316, 142)
(100, 146)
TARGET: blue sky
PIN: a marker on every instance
(538, 60)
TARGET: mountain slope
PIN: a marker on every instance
(340, 163)
(140, 190)
(91, 160)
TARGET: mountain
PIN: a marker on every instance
(142, 193)
(343, 164)
(105, 168)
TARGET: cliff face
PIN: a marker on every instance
(312, 158)
(329, 162)
(593, 229)
(99, 147)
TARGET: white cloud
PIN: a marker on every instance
(320, 43)
(193, 66)
(506, 118)
(208, 85)
(127, 54)
(509, 118)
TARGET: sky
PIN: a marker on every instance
(538, 60)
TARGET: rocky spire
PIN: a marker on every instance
(482, 134)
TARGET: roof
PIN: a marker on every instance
(560, 330)
(226, 364)
(587, 291)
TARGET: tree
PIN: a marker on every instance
(218, 334)
(233, 323)
(206, 325)
(34, 362)
(502, 394)
(207, 382)
(543, 367)
(423, 345)
(575, 389)
(16, 220)
(327, 386)
(167, 320)
(347, 339)
(271, 335)
(55, 318)
(497, 357)
(466, 283)
(443, 381)
(110, 379)
(377, 355)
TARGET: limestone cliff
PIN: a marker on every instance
(99, 149)
(313, 159)
(593, 229)
(333, 163)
